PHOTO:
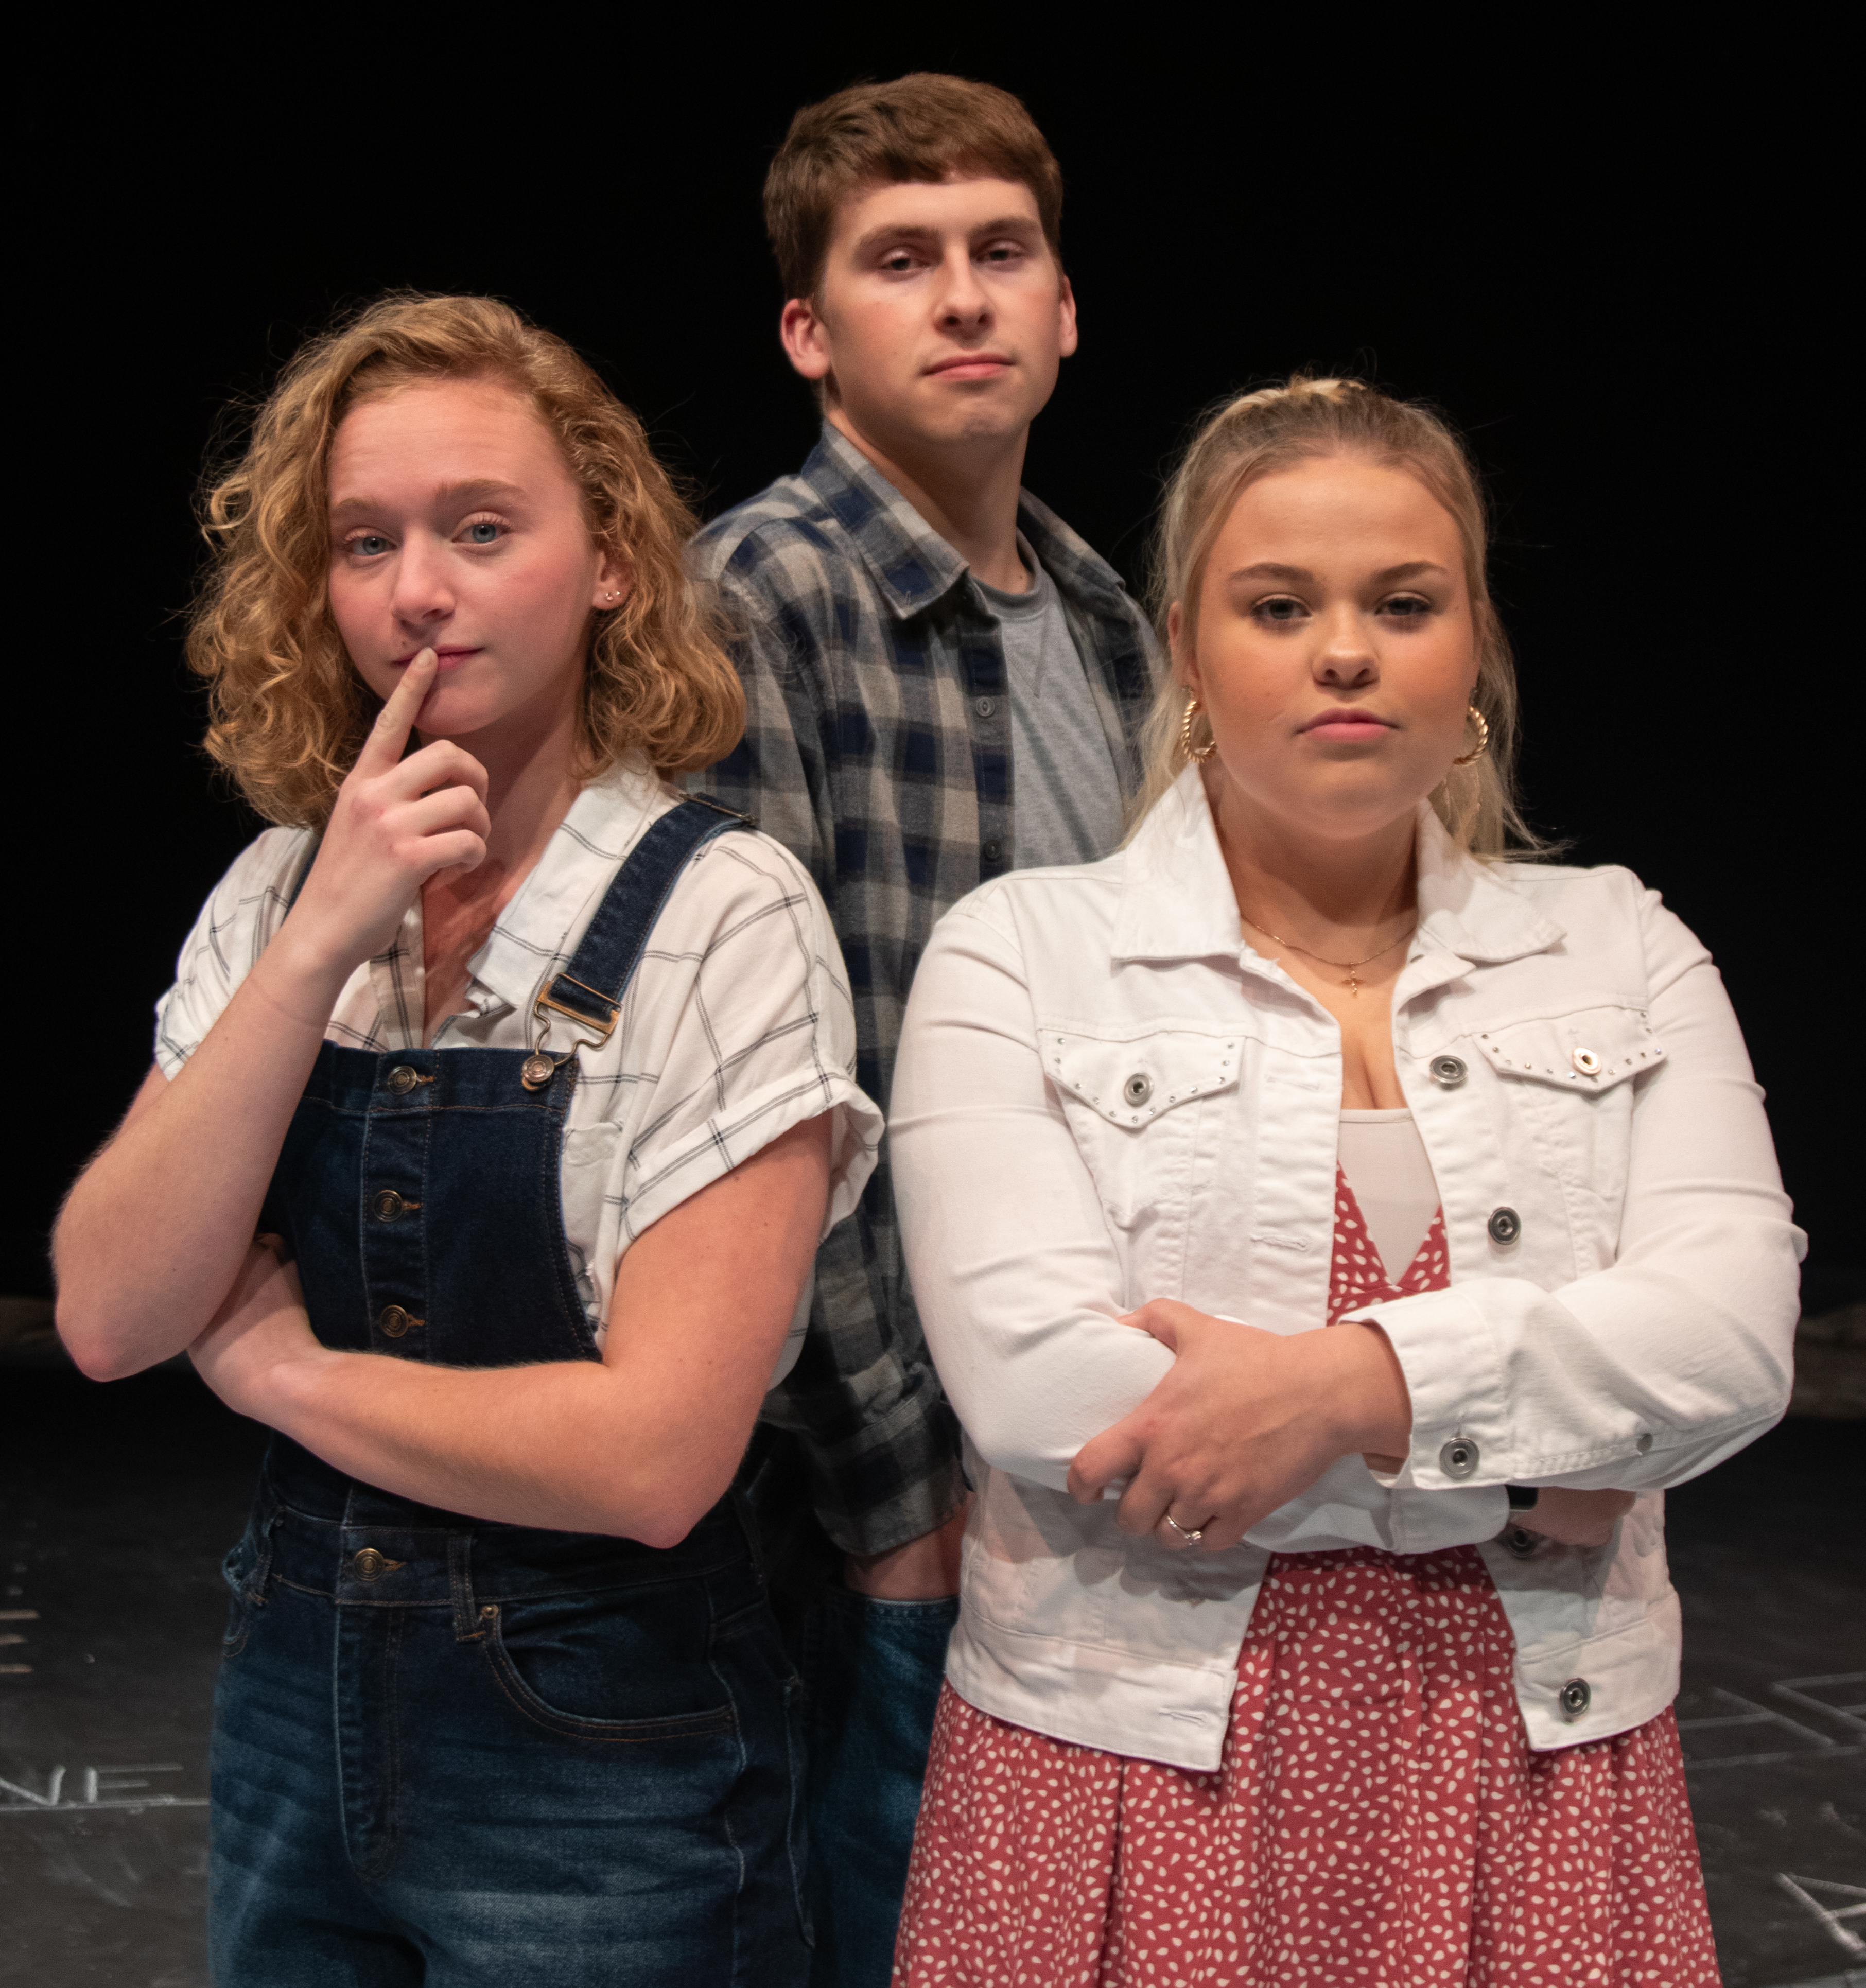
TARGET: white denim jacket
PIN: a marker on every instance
(1105, 1096)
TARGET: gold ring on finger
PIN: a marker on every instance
(1191, 1534)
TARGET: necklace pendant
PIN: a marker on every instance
(1353, 986)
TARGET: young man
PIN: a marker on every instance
(943, 683)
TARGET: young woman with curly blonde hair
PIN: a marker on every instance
(502, 1098)
(1289, 1655)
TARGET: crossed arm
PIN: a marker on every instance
(642, 1443)
(1019, 1282)
(1244, 1421)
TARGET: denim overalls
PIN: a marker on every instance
(448, 1750)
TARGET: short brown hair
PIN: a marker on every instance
(289, 710)
(1255, 434)
(925, 127)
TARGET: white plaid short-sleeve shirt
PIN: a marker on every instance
(736, 1027)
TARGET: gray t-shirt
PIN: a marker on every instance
(1066, 794)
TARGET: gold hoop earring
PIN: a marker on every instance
(1195, 753)
(1483, 746)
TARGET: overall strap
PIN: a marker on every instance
(590, 990)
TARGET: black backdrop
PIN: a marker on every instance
(1588, 264)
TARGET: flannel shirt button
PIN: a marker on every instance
(985, 706)
(992, 851)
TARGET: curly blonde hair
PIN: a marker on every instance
(288, 710)
(1257, 433)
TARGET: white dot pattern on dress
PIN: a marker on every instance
(1378, 1820)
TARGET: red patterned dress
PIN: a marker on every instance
(1378, 1820)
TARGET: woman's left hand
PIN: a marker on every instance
(1245, 1421)
(262, 1327)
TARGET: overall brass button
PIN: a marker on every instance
(1505, 1225)
(394, 1321)
(389, 1206)
(370, 1565)
(1459, 1457)
(401, 1080)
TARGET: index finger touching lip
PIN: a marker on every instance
(396, 719)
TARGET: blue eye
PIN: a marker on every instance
(484, 531)
(369, 545)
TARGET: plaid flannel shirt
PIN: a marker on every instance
(877, 749)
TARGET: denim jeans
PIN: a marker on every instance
(451, 1754)
(873, 1669)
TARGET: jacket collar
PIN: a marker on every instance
(911, 564)
(1473, 910)
(1176, 900)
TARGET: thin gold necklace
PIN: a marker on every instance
(1347, 966)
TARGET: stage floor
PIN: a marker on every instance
(119, 1501)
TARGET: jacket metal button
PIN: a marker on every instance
(1587, 1063)
(1459, 1457)
(1505, 1226)
(1644, 1443)
(1448, 1070)
(395, 1321)
(1138, 1089)
(1575, 1697)
(1521, 1542)
(389, 1206)
(401, 1080)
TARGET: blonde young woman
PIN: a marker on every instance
(1293, 1654)
(531, 1077)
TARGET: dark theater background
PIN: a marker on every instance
(1608, 267)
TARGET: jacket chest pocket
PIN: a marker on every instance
(1571, 1076)
(1131, 1103)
